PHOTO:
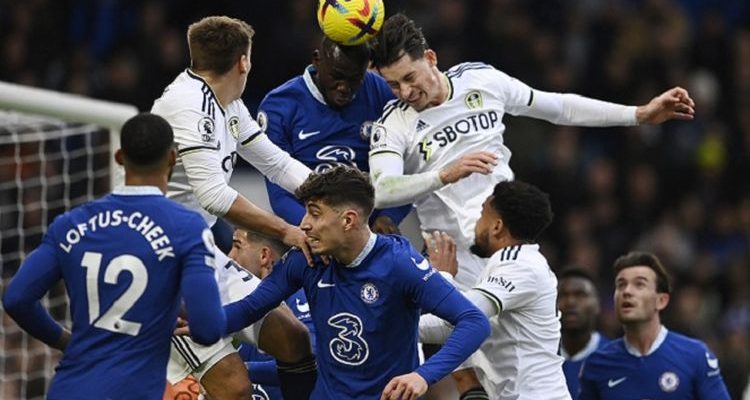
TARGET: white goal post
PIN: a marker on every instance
(56, 152)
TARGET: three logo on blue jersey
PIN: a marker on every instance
(348, 347)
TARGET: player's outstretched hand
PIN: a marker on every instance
(385, 225)
(482, 162)
(675, 103)
(294, 236)
(405, 387)
(441, 250)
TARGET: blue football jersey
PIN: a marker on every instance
(573, 362)
(678, 367)
(366, 314)
(297, 119)
(123, 258)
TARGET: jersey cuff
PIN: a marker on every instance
(492, 298)
(195, 148)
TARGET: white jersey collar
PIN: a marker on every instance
(311, 86)
(654, 346)
(365, 251)
(132, 190)
(590, 347)
(197, 77)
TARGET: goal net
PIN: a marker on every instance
(51, 160)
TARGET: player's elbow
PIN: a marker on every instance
(13, 301)
(384, 196)
(210, 332)
(216, 198)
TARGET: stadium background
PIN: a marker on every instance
(680, 189)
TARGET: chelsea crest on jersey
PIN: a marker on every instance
(202, 126)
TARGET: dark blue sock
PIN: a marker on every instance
(297, 380)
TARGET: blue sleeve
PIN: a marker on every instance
(709, 383)
(285, 279)
(284, 204)
(396, 214)
(434, 294)
(587, 389)
(38, 273)
(199, 288)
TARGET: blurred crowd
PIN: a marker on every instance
(680, 189)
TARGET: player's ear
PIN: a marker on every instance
(350, 219)
(316, 58)
(431, 57)
(497, 227)
(119, 158)
(662, 299)
(244, 64)
(172, 157)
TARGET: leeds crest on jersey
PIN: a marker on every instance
(473, 99)
(234, 126)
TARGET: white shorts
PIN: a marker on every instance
(188, 357)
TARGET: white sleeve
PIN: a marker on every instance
(201, 159)
(509, 286)
(207, 181)
(276, 164)
(558, 108)
(435, 330)
(575, 110)
(392, 187)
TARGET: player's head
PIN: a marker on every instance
(338, 203)
(255, 251)
(642, 288)
(221, 45)
(146, 148)
(401, 55)
(515, 212)
(577, 299)
(340, 71)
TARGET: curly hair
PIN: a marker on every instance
(398, 36)
(525, 209)
(338, 186)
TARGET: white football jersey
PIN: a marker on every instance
(470, 120)
(520, 359)
(202, 126)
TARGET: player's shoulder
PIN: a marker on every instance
(607, 353)
(292, 88)
(399, 251)
(685, 345)
(467, 69)
(527, 256)
(396, 112)
(187, 92)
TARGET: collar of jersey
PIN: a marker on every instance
(590, 348)
(200, 78)
(362, 254)
(310, 83)
(132, 190)
(654, 346)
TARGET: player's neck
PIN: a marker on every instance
(642, 335)
(146, 180)
(223, 87)
(573, 341)
(505, 241)
(354, 245)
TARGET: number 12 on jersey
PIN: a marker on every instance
(112, 320)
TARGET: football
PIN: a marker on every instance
(350, 22)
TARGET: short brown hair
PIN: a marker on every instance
(641, 258)
(338, 186)
(216, 43)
